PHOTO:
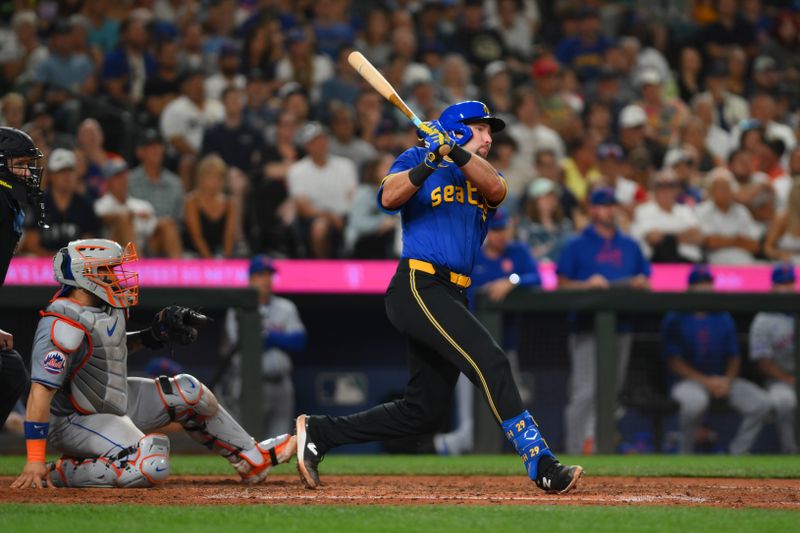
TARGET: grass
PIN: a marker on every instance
(753, 466)
(53, 517)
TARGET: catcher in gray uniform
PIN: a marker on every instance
(99, 418)
(772, 347)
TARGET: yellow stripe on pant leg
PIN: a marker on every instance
(440, 329)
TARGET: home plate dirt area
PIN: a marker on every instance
(437, 490)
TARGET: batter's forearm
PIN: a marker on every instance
(397, 190)
(488, 181)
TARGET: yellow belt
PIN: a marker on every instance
(423, 266)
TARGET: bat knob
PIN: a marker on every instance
(444, 150)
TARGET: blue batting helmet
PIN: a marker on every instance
(455, 120)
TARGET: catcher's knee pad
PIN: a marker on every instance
(184, 396)
(151, 464)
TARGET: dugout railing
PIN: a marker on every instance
(605, 305)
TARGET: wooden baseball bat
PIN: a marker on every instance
(373, 76)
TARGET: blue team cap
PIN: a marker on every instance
(499, 220)
(261, 263)
(783, 273)
(700, 274)
(603, 196)
(162, 366)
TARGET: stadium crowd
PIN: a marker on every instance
(228, 128)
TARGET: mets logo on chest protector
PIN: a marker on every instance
(55, 362)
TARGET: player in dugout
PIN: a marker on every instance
(446, 203)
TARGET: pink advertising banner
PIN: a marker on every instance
(349, 277)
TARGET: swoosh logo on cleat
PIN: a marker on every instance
(111, 330)
(160, 469)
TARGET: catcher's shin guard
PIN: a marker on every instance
(194, 406)
(144, 465)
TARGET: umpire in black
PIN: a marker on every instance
(445, 204)
(20, 184)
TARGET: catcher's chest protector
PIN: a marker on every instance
(98, 384)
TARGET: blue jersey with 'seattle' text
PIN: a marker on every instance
(445, 221)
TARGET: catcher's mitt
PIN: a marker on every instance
(177, 324)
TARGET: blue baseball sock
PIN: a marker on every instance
(523, 433)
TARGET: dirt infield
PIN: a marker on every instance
(430, 490)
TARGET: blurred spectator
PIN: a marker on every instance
(126, 219)
(729, 109)
(69, 214)
(238, 144)
(584, 52)
(92, 157)
(40, 118)
(772, 345)
(161, 188)
(528, 131)
(321, 186)
(497, 89)
(557, 111)
(702, 353)
(374, 40)
(263, 47)
(258, 93)
(282, 335)
(63, 75)
(580, 168)
(12, 107)
(517, 170)
(741, 163)
(333, 27)
(632, 135)
(628, 193)
(599, 122)
(690, 76)
(766, 75)
(455, 80)
(341, 89)
(479, 44)
(543, 227)
(228, 74)
(769, 161)
(126, 69)
(729, 30)
(717, 141)
(546, 165)
(664, 117)
(162, 86)
(783, 239)
(668, 231)
(104, 31)
(738, 72)
(302, 65)
(694, 139)
(598, 258)
(191, 56)
(369, 114)
(210, 214)
(185, 118)
(343, 141)
(730, 236)
(763, 110)
(515, 30)
(370, 233)
(681, 163)
(22, 51)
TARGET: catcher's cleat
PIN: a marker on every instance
(254, 465)
(308, 457)
(559, 478)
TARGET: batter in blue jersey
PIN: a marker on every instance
(446, 194)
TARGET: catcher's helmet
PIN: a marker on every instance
(19, 157)
(455, 119)
(98, 266)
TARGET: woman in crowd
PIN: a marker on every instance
(210, 213)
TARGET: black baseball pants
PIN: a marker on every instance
(444, 339)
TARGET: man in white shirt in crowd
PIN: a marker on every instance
(528, 131)
(126, 219)
(730, 236)
(321, 186)
(668, 231)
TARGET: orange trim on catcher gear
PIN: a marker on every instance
(61, 472)
(199, 397)
(151, 480)
(164, 400)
